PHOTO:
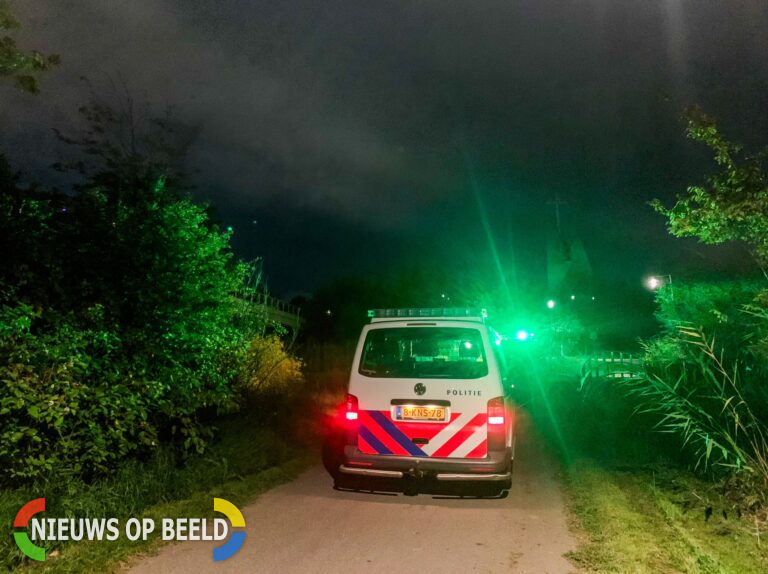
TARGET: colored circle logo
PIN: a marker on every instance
(236, 540)
(22, 538)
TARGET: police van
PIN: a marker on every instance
(426, 400)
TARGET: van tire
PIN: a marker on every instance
(333, 455)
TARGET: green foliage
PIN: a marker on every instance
(562, 333)
(718, 309)
(734, 203)
(244, 461)
(68, 402)
(757, 309)
(705, 377)
(650, 519)
(710, 404)
(166, 276)
(21, 66)
(117, 322)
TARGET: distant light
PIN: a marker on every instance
(229, 228)
(573, 297)
(328, 312)
(551, 304)
(593, 297)
(522, 335)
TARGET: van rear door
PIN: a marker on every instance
(423, 389)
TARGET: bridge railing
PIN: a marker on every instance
(611, 365)
(260, 309)
(275, 303)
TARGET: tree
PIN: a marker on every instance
(705, 376)
(125, 145)
(733, 205)
(143, 249)
(116, 312)
(21, 66)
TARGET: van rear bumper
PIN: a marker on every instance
(445, 476)
(495, 467)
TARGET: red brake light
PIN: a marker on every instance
(496, 411)
(351, 408)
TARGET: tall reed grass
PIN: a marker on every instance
(704, 399)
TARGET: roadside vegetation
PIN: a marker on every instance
(137, 375)
(244, 460)
(657, 518)
(637, 500)
(666, 471)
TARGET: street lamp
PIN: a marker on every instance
(551, 304)
(654, 282)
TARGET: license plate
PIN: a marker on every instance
(419, 413)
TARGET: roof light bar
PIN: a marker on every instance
(428, 312)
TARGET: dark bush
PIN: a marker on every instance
(116, 326)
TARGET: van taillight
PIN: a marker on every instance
(351, 408)
(496, 415)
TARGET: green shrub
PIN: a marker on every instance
(718, 308)
(733, 315)
(239, 452)
(116, 327)
(68, 404)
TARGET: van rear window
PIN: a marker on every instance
(424, 353)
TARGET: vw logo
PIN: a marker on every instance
(419, 389)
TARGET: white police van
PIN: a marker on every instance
(426, 400)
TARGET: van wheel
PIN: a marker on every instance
(332, 455)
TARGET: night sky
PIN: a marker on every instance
(340, 137)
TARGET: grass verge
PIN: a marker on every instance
(243, 463)
(656, 519)
(636, 507)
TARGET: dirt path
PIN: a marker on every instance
(306, 526)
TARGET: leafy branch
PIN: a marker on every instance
(733, 205)
(22, 67)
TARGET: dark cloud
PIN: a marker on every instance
(365, 124)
